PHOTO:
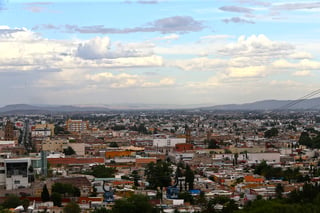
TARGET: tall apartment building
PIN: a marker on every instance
(76, 125)
(8, 131)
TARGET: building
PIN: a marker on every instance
(42, 130)
(8, 131)
(17, 173)
(167, 142)
(76, 126)
(6, 144)
(57, 145)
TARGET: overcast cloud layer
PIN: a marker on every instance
(158, 52)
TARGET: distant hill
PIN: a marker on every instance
(259, 105)
(271, 105)
(24, 108)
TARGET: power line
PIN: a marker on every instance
(301, 99)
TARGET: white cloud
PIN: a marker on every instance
(94, 49)
(282, 63)
(99, 48)
(244, 72)
(257, 46)
(302, 73)
(124, 80)
(27, 51)
(301, 65)
(200, 64)
(168, 37)
(301, 55)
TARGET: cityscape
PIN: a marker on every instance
(159, 106)
(177, 160)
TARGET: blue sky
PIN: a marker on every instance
(203, 52)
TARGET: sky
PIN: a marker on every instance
(168, 52)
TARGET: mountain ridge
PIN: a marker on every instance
(303, 104)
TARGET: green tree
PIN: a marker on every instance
(25, 203)
(228, 204)
(189, 177)
(279, 190)
(65, 189)
(11, 201)
(271, 133)
(134, 204)
(56, 199)
(136, 177)
(305, 139)
(113, 144)
(212, 144)
(72, 207)
(158, 174)
(142, 129)
(101, 210)
(45, 194)
(187, 197)
(101, 171)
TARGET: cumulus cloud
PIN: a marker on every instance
(94, 48)
(257, 46)
(238, 20)
(174, 24)
(236, 9)
(27, 51)
(5, 30)
(251, 57)
(99, 48)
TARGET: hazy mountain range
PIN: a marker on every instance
(304, 104)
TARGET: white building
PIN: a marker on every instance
(17, 173)
(167, 142)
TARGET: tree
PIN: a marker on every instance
(25, 203)
(187, 197)
(65, 189)
(56, 199)
(45, 194)
(101, 210)
(189, 177)
(69, 151)
(212, 144)
(305, 139)
(113, 144)
(101, 171)
(279, 190)
(72, 207)
(236, 156)
(136, 177)
(159, 174)
(134, 204)
(271, 133)
(11, 201)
